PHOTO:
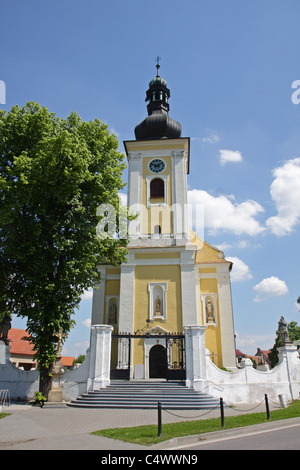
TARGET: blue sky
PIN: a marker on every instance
(230, 66)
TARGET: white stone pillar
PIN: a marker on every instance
(100, 357)
(226, 319)
(196, 376)
(288, 354)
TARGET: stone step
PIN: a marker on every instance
(146, 394)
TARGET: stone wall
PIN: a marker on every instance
(22, 384)
(241, 385)
(244, 384)
(93, 373)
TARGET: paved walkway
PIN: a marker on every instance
(34, 428)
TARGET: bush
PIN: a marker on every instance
(39, 399)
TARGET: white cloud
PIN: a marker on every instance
(87, 295)
(270, 287)
(87, 322)
(123, 198)
(223, 214)
(233, 156)
(285, 192)
(224, 246)
(248, 344)
(75, 349)
(240, 270)
(212, 138)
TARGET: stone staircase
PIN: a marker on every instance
(145, 394)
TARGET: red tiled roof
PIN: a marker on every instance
(256, 359)
(19, 346)
(265, 352)
(67, 361)
(239, 353)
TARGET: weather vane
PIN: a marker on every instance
(157, 60)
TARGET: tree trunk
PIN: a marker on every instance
(45, 381)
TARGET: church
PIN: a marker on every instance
(172, 279)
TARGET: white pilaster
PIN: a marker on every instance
(126, 298)
(188, 288)
(99, 300)
(135, 164)
(179, 194)
(226, 318)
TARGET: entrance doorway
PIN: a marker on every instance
(158, 362)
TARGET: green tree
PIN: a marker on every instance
(294, 335)
(54, 174)
(79, 359)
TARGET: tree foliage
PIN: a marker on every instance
(54, 174)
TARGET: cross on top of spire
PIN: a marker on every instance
(157, 64)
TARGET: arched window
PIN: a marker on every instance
(157, 188)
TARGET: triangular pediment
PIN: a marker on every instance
(157, 330)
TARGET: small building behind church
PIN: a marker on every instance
(22, 353)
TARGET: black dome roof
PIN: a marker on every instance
(158, 124)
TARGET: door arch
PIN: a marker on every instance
(158, 362)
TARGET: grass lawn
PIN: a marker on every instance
(147, 435)
(3, 415)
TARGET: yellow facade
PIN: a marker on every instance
(173, 279)
(171, 275)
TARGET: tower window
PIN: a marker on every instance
(157, 188)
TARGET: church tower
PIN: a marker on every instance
(172, 279)
(158, 164)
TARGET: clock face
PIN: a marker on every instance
(157, 165)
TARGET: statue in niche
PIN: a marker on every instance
(157, 306)
(210, 312)
(112, 314)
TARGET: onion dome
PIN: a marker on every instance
(158, 124)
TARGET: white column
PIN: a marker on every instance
(100, 355)
(196, 376)
(226, 319)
